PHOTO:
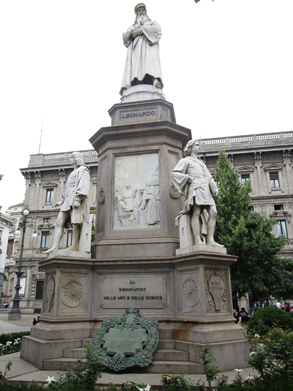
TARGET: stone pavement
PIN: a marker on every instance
(8, 326)
(21, 371)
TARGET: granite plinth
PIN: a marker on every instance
(142, 111)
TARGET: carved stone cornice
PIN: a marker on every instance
(280, 213)
(46, 226)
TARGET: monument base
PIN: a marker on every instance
(189, 295)
(142, 92)
(201, 248)
(68, 253)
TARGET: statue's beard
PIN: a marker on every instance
(141, 19)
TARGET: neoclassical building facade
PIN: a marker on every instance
(266, 160)
(263, 158)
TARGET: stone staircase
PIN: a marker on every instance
(167, 356)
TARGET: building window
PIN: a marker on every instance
(49, 196)
(39, 290)
(274, 179)
(10, 248)
(279, 207)
(45, 239)
(282, 229)
(244, 178)
(69, 238)
(46, 220)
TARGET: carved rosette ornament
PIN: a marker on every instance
(190, 292)
(127, 342)
(102, 194)
(72, 294)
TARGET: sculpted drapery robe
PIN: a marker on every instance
(143, 55)
(152, 211)
(77, 188)
(202, 188)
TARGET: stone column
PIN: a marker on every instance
(27, 176)
(258, 166)
(62, 181)
(37, 186)
(287, 164)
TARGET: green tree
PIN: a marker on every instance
(248, 235)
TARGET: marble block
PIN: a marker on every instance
(142, 92)
(67, 253)
(201, 248)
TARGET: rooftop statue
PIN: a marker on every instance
(74, 203)
(193, 180)
(143, 58)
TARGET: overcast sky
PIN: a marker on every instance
(227, 68)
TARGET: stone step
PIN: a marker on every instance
(159, 355)
(166, 344)
(170, 355)
(186, 367)
(74, 353)
(62, 364)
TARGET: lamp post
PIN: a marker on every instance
(15, 313)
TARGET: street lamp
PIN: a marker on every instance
(15, 313)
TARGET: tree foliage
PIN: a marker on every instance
(267, 318)
(248, 235)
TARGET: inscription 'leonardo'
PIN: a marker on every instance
(139, 114)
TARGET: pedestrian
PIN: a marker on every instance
(242, 312)
(287, 307)
(237, 317)
(278, 304)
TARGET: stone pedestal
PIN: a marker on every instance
(190, 296)
(134, 261)
(142, 92)
(137, 204)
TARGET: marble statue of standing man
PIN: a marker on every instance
(74, 203)
(193, 180)
(143, 58)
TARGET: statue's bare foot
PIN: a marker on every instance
(213, 243)
(72, 248)
(157, 83)
(199, 242)
(51, 250)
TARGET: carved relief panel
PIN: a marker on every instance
(137, 192)
(50, 293)
(217, 290)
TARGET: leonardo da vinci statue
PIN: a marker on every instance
(143, 58)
